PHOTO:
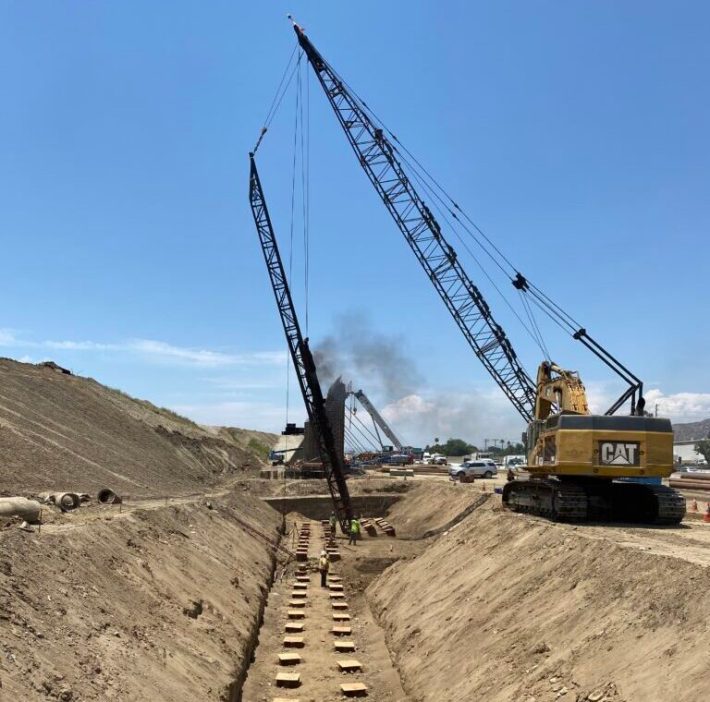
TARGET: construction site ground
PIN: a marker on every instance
(168, 598)
(178, 593)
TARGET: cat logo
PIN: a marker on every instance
(619, 453)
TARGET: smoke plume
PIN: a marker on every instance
(373, 360)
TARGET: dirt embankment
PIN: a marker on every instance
(64, 432)
(505, 607)
(430, 506)
(161, 602)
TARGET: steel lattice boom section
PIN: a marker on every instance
(378, 419)
(423, 234)
(300, 352)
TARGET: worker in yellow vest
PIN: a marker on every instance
(354, 534)
(323, 567)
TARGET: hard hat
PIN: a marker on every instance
(322, 553)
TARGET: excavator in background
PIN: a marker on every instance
(577, 462)
(300, 351)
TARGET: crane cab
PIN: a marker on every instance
(600, 446)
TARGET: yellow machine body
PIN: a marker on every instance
(568, 441)
(605, 452)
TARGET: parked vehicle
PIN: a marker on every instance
(478, 469)
(514, 461)
(437, 459)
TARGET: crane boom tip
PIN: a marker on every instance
(297, 27)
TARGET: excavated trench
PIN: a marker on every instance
(320, 677)
(359, 567)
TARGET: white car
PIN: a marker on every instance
(479, 469)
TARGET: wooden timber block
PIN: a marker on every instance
(334, 556)
(341, 617)
(288, 679)
(294, 627)
(337, 595)
(334, 579)
(303, 578)
(299, 593)
(344, 646)
(390, 531)
(339, 605)
(346, 665)
(296, 603)
(293, 641)
(335, 587)
(371, 530)
(301, 556)
(292, 659)
(353, 689)
(300, 586)
(341, 630)
(296, 614)
(285, 699)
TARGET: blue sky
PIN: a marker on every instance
(574, 134)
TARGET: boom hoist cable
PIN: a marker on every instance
(301, 355)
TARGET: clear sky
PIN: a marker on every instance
(574, 133)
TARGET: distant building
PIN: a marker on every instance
(684, 452)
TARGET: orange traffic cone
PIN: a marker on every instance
(706, 516)
(694, 506)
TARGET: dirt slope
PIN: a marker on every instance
(65, 432)
(155, 603)
(431, 505)
(505, 607)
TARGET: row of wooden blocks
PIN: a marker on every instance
(292, 639)
(385, 526)
(329, 544)
(304, 536)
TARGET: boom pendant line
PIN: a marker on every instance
(301, 356)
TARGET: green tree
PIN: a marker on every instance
(454, 447)
(703, 448)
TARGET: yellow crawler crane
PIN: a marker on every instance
(576, 461)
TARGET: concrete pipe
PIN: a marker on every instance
(66, 501)
(29, 510)
(108, 497)
(689, 484)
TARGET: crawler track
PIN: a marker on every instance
(595, 500)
